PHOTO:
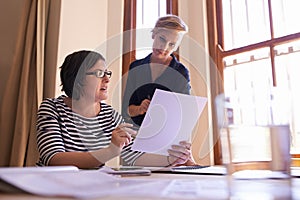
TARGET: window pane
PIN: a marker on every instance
(245, 22)
(287, 61)
(148, 11)
(249, 74)
(285, 17)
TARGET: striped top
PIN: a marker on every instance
(59, 129)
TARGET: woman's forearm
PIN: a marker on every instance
(133, 110)
(91, 159)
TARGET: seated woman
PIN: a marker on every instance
(79, 129)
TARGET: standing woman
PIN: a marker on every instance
(159, 70)
(80, 129)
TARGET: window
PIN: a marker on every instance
(141, 15)
(147, 12)
(259, 46)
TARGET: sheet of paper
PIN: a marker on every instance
(195, 189)
(170, 119)
(79, 184)
(37, 169)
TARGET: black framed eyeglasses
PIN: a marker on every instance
(100, 73)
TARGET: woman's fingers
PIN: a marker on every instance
(144, 106)
(186, 144)
(125, 125)
(183, 147)
(130, 131)
(181, 153)
(125, 129)
(122, 135)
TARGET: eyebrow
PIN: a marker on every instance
(162, 37)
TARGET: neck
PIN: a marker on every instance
(163, 61)
(84, 107)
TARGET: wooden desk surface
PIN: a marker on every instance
(274, 189)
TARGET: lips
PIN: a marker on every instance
(103, 88)
(159, 52)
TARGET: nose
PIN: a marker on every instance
(164, 46)
(105, 79)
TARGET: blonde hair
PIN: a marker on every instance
(171, 22)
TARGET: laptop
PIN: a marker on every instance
(219, 170)
(196, 170)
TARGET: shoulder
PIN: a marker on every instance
(139, 62)
(109, 111)
(179, 67)
(182, 67)
(50, 105)
(52, 101)
(106, 107)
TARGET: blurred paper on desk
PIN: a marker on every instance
(170, 119)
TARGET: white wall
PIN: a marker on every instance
(114, 48)
(194, 54)
(83, 26)
(94, 25)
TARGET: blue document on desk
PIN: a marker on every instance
(170, 118)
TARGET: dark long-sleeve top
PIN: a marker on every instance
(140, 86)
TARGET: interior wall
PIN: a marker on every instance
(194, 54)
(114, 47)
(114, 50)
(83, 26)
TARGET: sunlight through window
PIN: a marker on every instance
(148, 11)
(247, 22)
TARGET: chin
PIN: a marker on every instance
(101, 97)
(104, 98)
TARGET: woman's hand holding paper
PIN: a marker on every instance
(180, 154)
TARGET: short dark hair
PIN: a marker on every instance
(72, 71)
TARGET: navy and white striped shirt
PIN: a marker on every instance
(59, 129)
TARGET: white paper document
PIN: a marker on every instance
(170, 119)
(49, 181)
(205, 188)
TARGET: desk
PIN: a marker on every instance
(214, 183)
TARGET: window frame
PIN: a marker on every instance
(217, 53)
(129, 25)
